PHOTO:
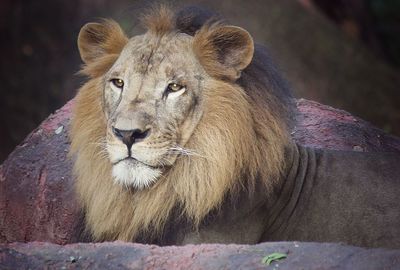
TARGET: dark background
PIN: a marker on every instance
(344, 53)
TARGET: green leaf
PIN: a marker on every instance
(273, 257)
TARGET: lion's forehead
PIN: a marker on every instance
(147, 52)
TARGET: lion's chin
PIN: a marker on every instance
(135, 174)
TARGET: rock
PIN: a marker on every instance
(36, 187)
(120, 255)
(321, 126)
(37, 201)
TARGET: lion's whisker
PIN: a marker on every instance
(184, 151)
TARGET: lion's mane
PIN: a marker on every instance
(240, 139)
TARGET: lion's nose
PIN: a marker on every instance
(130, 137)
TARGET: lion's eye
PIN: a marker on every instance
(174, 87)
(118, 83)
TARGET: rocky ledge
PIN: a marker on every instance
(120, 255)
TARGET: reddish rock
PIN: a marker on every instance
(322, 126)
(119, 255)
(37, 201)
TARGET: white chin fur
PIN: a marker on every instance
(134, 174)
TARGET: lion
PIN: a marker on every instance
(182, 135)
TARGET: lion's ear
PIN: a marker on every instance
(99, 39)
(224, 51)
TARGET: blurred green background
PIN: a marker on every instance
(342, 53)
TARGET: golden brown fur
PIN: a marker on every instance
(113, 42)
(159, 19)
(238, 141)
(206, 47)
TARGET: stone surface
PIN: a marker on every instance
(321, 126)
(119, 255)
(36, 188)
(37, 201)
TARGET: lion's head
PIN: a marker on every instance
(169, 121)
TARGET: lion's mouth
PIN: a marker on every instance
(133, 160)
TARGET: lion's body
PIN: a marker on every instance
(339, 196)
(234, 115)
(326, 196)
